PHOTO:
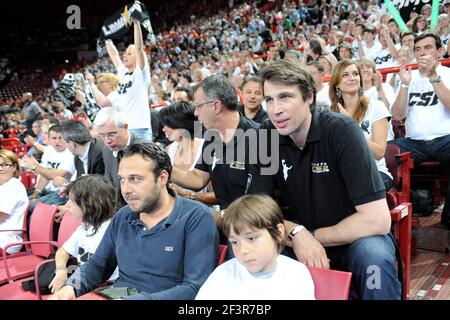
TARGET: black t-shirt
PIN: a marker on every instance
(227, 164)
(259, 117)
(324, 182)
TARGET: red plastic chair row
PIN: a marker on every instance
(40, 233)
(398, 198)
(14, 290)
(9, 143)
(28, 179)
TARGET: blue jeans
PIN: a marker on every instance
(437, 150)
(143, 133)
(373, 265)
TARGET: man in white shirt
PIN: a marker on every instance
(424, 99)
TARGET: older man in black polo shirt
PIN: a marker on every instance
(225, 155)
(338, 212)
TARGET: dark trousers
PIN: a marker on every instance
(434, 150)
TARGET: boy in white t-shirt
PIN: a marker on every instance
(255, 229)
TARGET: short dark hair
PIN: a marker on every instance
(219, 87)
(316, 64)
(180, 115)
(57, 128)
(76, 131)
(436, 38)
(184, 89)
(404, 34)
(291, 73)
(250, 79)
(370, 29)
(392, 20)
(151, 151)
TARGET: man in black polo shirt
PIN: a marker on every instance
(338, 213)
(225, 154)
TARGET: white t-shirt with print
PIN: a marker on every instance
(13, 202)
(373, 51)
(114, 98)
(372, 93)
(427, 118)
(291, 280)
(82, 244)
(384, 57)
(133, 96)
(376, 111)
(52, 159)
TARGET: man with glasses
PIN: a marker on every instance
(112, 127)
(216, 107)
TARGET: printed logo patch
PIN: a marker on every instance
(320, 167)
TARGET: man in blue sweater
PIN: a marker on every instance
(164, 245)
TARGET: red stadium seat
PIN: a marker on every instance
(14, 290)
(41, 232)
(330, 284)
(398, 197)
(222, 253)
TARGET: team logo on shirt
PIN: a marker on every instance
(365, 125)
(213, 165)
(319, 167)
(423, 99)
(381, 60)
(52, 165)
(285, 169)
(237, 165)
(123, 87)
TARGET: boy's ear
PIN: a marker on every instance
(282, 229)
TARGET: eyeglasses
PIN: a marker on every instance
(196, 105)
(6, 165)
(109, 135)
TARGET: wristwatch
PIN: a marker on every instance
(294, 231)
(437, 79)
(193, 197)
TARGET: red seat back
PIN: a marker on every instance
(393, 164)
(68, 226)
(222, 253)
(41, 228)
(330, 284)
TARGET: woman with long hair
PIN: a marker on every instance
(347, 97)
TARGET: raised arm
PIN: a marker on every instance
(139, 45)
(113, 54)
(400, 106)
(98, 95)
